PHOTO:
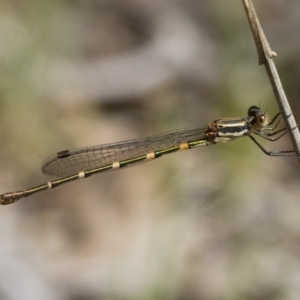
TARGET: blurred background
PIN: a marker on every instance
(219, 222)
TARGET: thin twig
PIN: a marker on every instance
(265, 56)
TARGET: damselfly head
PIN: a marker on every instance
(259, 118)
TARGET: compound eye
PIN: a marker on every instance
(252, 111)
(262, 119)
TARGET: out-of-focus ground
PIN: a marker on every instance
(219, 222)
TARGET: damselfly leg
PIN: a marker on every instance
(273, 153)
(273, 120)
(267, 133)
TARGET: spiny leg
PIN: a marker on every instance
(275, 118)
(273, 153)
(272, 122)
(268, 136)
(278, 123)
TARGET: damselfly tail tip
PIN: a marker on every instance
(11, 197)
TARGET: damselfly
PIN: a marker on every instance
(84, 162)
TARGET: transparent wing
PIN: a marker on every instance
(70, 162)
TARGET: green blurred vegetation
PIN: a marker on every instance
(217, 222)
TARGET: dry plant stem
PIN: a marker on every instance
(265, 56)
